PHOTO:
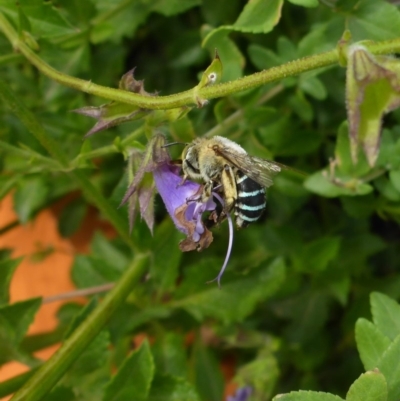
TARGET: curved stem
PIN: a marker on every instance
(188, 97)
(48, 375)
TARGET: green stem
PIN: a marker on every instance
(106, 150)
(48, 375)
(189, 97)
(91, 193)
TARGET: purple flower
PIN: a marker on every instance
(182, 203)
(242, 394)
(182, 199)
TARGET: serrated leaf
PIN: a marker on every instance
(7, 269)
(169, 388)
(386, 314)
(307, 396)
(370, 386)
(371, 343)
(238, 298)
(389, 365)
(134, 377)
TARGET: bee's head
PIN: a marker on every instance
(190, 161)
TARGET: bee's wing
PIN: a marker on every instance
(259, 170)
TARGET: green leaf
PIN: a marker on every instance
(30, 195)
(320, 184)
(313, 87)
(386, 314)
(89, 372)
(301, 106)
(107, 264)
(7, 269)
(261, 374)
(370, 386)
(305, 3)
(371, 343)
(308, 312)
(169, 388)
(343, 156)
(134, 377)
(169, 8)
(104, 249)
(375, 20)
(167, 255)
(71, 217)
(170, 355)
(389, 365)
(207, 374)
(61, 393)
(124, 18)
(45, 20)
(230, 55)
(259, 16)
(307, 396)
(394, 177)
(15, 320)
(316, 255)
(236, 299)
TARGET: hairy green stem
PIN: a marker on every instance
(191, 96)
(48, 375)
(91, 193)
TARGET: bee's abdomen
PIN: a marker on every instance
(250, 203)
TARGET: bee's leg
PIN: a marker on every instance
(207, 191)
(229, 188)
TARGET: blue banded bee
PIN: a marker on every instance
(224, 166)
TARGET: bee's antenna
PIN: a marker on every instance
(173, 143)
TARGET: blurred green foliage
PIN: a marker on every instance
(297, 281)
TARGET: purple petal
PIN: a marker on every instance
(242, 394)
(173, 193)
